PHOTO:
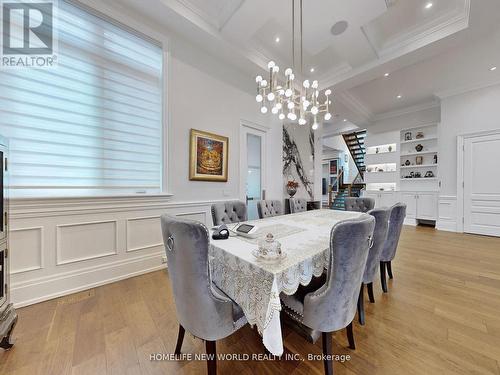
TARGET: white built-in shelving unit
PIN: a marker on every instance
(415, 165)
(387, 172)
(381, 166)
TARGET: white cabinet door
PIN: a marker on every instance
(411, 204)
(427, 206)
(386, 199)
(482, 185)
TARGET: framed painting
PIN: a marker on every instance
(207, 156)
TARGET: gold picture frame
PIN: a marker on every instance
(208, 156)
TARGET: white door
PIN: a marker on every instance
(482, 185)
(252, 164)
(427, 206)
(411, 204)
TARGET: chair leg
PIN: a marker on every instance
(326, 339)
(180, 339)
(212, 357)
(350, 337)
(383, 280)
(361, 305)
(389, 269)
(370, 292)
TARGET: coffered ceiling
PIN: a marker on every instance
(417, 43)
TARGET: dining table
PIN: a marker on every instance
(256, 284)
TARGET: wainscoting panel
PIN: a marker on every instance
(198, 216)
(83, 241)
(62, 246)
(447, 210)
(143, 233)
(28, 244)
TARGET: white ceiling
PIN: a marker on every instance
(427, 51)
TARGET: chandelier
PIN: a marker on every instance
(298, 103)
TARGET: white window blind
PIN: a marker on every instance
(93, 124)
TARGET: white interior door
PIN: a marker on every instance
(253, 167)
(482, 185)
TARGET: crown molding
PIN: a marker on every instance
(466, 88)
(419, 37)
(224, 16)
(354, 104)
(406, 110)
(448, 24)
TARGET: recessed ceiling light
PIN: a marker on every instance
(386, 75)
(428, 5)
(277, 40)
(399, 96)
(493, 68)
(345, 120)
(311, 70)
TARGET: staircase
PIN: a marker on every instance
(339, 200)
(356, 143)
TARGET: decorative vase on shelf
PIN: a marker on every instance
(291, 187)
(419, 147)
(390, 148)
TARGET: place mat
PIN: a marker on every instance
(277, 230)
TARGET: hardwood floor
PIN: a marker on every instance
(441, 316)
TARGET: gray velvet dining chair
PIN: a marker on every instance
(229, 212)
(359, 204)
(396, 220)
(297, 205)
(332, 307)
(269, 208)
(381, 216)
(202, 308)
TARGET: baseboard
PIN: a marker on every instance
(53, 286)
(410, 221)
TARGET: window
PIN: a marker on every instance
(93, 124)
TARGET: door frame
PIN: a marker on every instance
(460, 173)
(248, 125)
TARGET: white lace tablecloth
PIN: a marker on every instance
(256, 285)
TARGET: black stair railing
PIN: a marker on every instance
(356, 144)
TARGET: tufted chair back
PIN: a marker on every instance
(298, 205)
(396, 220)
(269, 208)
(333, 306)
(198, 310)
(359, 204)
(229, 212)
(381, 216)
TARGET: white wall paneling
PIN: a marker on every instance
(447, 209)
(61, 246)
(29, 241)
(143, 233)
(78, 242)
